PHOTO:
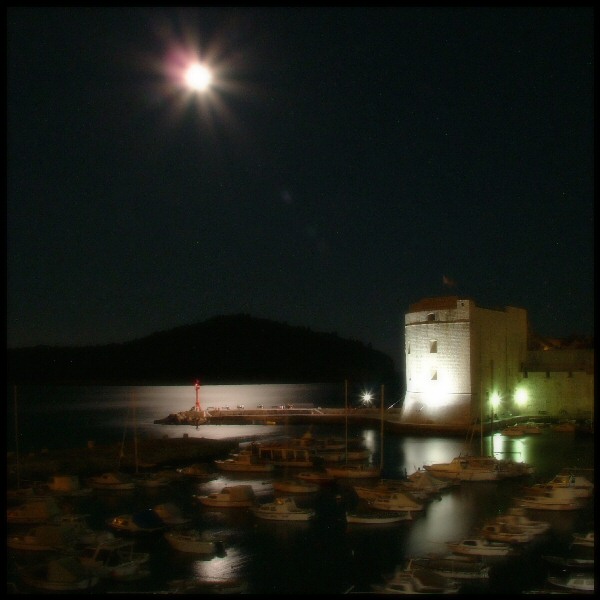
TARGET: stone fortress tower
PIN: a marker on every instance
(459, 357)
(466, 364)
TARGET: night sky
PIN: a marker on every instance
(343, 164)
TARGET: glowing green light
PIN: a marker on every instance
(521, 397)
(495, 399)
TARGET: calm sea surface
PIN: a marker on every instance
(295, 558)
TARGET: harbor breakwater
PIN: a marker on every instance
(329, 416)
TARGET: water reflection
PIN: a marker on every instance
(430, 534)
(419, 451)
(218, 568)
(301, 557)
(511, 448)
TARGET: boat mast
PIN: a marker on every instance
(491, 430)
(122, 451)
(480, 426)
(17, 441)
(381, 433)
(346, 418)
(135, 440)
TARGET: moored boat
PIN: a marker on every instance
(349, 471)
(233, 496)
(509, 468)
(377, 518)
(422, 477)
(580, 583)
(115, 559)
(584, 539)
(415, 580)
(282, 454)
(321, 477)
(42, 538)
(35, 510)
(480, 547)
(466, 468)
(454, 566)
(67, 485)
(421, 490)
(570, 562)
(295, 486)
(170, 514)
(320, 444)
(146, 521)
(565, 427)
(151, 480)
(243, 462)
(520, 429)
(336, 456)
(80, 530)
(575, 486)
(552, 499)
(212, 586)
(194, 541)
(113, 481)
(396, 501)
(64, 574)
(197, 471)
(424, 485)
(515, 516)
(502, 532)
(283, 509)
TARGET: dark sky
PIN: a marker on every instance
(342, 164)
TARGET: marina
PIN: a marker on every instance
(325, 554)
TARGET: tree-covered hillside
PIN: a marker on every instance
(237, 348)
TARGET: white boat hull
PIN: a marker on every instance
(293, 487)
(224, 502)
(480, 548)
(283, 517)
(190, 543)
(283, 509)
(375, 519)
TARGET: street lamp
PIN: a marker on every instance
(367, 398)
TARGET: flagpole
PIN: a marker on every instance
(381, 433)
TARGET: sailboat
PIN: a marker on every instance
(19, 493)
(116, 480)
(148, 479)
(361, 470)
(467, 467)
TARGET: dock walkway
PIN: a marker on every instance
(317, 415)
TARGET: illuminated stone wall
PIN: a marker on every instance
(559, 383)
(557, 394)
(458, 357)
(465, 362)
(499, 349)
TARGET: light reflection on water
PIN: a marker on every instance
(295, 557)
(428, 450)
(441, 525)
(102, 413)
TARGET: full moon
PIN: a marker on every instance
(198, 77)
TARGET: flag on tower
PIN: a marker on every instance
(448, 282)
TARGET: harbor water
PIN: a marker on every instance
(322, 557)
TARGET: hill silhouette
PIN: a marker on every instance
(223, 349)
